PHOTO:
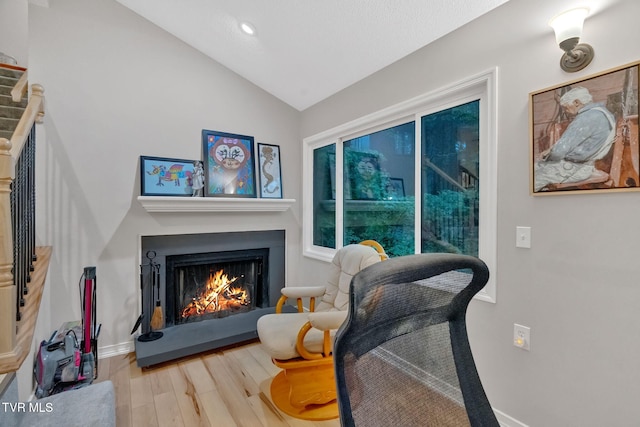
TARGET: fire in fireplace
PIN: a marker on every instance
(216, 284)
(220, 295)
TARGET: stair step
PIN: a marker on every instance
(8, 81)
(8, 112)
(8, 101)
(8, 124)
(7, 72)
(6, 90)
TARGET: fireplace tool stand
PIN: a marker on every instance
(154, 283)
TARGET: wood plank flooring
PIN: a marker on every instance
(225, 388)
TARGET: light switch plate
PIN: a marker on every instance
(523, 237)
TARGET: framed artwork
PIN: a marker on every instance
(160, 176)
(228, 164)
(584, 134)
(395, 189)
(270, 174)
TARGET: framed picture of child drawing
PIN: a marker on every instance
(584, 134)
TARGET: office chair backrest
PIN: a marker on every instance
(402, 357)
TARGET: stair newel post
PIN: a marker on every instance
(7, 288)
(37, 90)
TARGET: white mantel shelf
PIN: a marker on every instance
(213, 204)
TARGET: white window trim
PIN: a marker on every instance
(482, 86)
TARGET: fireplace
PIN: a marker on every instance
(213, 287)
(216, 284)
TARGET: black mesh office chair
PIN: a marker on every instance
(402, 357)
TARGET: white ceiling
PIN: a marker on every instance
(306, 50)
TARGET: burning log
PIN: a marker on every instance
(218, 296)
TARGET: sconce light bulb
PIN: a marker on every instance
(568, 25)
(247, 28)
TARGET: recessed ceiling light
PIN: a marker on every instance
(248, 28)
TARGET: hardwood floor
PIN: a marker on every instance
(224, 388)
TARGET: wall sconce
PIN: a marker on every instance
(568, 29)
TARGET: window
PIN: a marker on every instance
(450, 180)
(378, 173)
(417, 177)
(324, 195)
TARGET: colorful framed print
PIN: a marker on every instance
(228, 164)
(584, 134)
(270, 174)
(160, 176)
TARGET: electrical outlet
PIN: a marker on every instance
(522, 336)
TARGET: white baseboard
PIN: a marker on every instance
(115, 350)
(506, 421)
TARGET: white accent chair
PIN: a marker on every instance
(302, 343)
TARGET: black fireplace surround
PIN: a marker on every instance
(260, 253)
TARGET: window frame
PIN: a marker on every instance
(482, 87)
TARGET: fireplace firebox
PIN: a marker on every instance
(216, 284)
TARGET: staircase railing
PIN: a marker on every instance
(17, 233)
(20, 89)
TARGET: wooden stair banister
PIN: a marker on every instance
(16, 336)
(7, 288)
(32, 114)
(20, 89)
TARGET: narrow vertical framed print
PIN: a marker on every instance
(270, 172)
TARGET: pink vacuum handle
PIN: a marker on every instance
(88, 292)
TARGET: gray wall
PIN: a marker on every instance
(577, 287)
(14, 35)
(118, 87)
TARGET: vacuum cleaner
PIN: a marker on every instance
(68, 361)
